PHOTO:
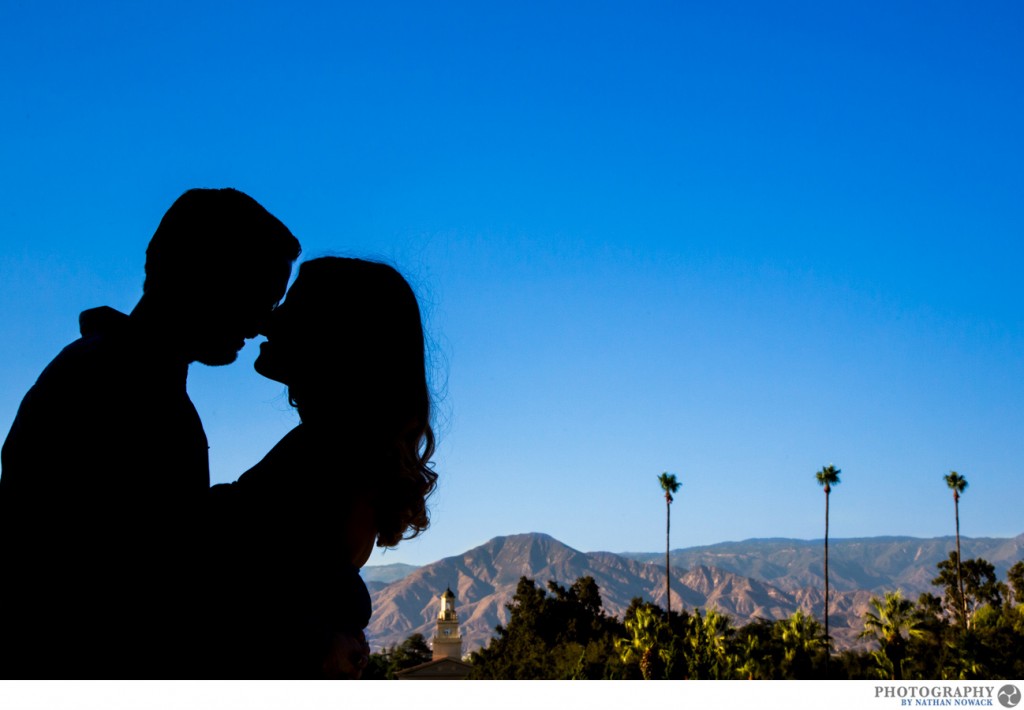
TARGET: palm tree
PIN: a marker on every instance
(646, 644)
(801, 639)
(827, 477)
(708, 654)
(751, 660)
(958, 483)
(892, 616)
(670, 485)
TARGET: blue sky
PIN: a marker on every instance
(736, 241)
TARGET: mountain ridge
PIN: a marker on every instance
(763, 578)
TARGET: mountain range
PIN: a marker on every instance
(762, 578)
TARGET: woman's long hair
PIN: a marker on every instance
(362, 372)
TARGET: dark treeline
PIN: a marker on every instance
(564, 633)
(411, 652)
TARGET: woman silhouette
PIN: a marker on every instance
(348, 343)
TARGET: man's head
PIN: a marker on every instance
(216, 266)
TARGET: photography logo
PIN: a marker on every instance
(1009, 696)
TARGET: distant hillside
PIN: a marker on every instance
(386, 573)
(484, 580)
(874, 564)
(748, 580)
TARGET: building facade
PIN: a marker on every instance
(447, 663)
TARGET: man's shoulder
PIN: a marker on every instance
(103, 320)
(106, 356)
(96, 349)
(75, 393)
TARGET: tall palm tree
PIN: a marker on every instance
(827, 477)
(669, 485)
(958, 483)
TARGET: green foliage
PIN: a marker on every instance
(891, 624)
(564, 633)
(1015, 579)
(561, 635)
(411, 652)
(948, 582)
(956, 482)
(827, 477)
(647, 643)
(755, 652)
(980, 585)
(669, 485)
(682, 646)
(990, 645)
(707, 646)
(803, 646)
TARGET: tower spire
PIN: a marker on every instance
(447, 639)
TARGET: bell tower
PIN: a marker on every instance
(447, 639)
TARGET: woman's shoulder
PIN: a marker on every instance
(308, 458)
(292, 453)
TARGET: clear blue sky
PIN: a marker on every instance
(735, 241)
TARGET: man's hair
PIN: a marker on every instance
(209, 232)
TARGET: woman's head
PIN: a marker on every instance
(348, 343)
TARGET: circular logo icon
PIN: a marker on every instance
(1009, 696)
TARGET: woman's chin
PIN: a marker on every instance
(270, 369)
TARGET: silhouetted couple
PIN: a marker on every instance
(119, 561)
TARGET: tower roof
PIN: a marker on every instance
(448, 593)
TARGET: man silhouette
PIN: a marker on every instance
(105, 471)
